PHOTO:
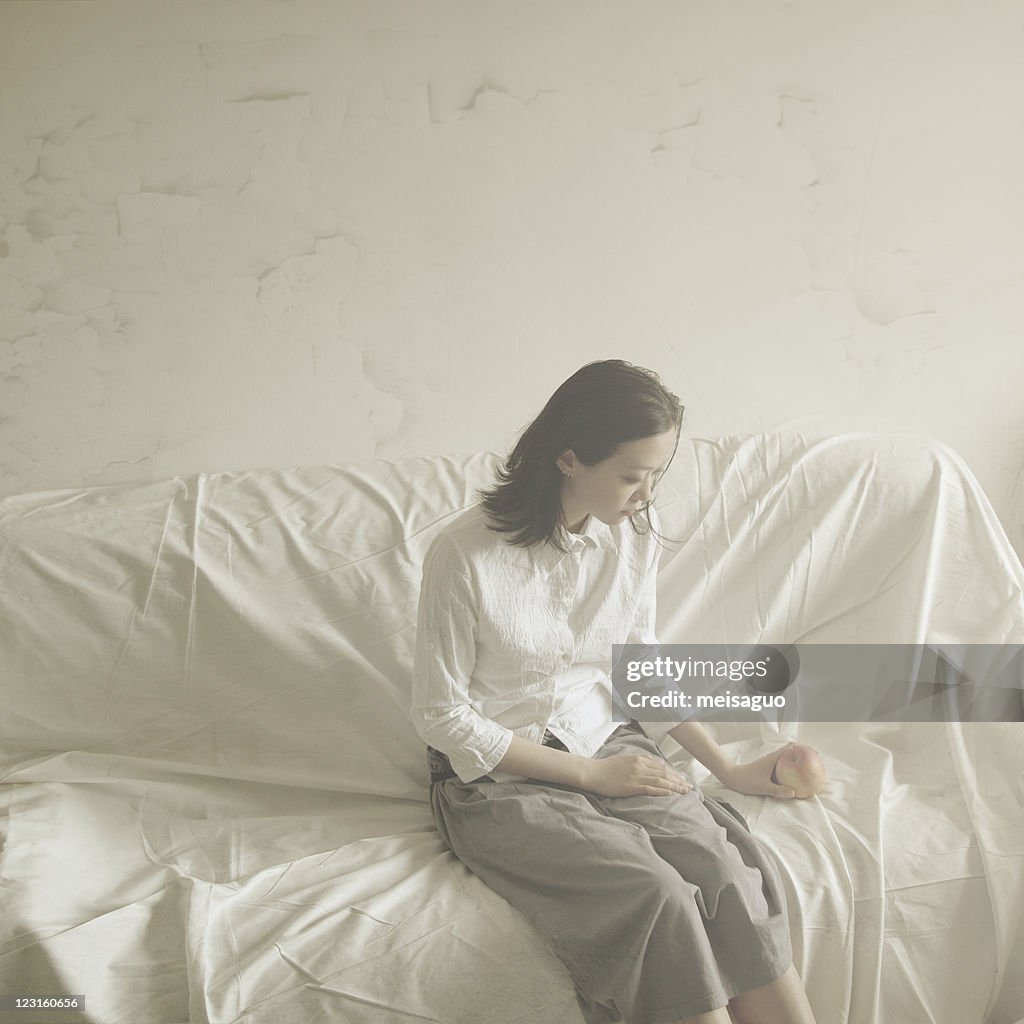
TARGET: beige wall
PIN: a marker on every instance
(241, 234)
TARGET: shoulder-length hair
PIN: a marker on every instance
(602, 405)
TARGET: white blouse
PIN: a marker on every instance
(514, 641)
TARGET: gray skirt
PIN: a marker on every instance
(660, 907)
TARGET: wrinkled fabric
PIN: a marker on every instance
(215, 807)
(514, 641)
(660, 907)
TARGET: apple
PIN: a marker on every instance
(800, 767)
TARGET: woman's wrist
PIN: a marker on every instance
(584, 771)
(579, 771)
(719, 764)
(698, 742)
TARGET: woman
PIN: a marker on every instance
(658, 900)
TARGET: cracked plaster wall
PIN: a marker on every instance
(261, 233)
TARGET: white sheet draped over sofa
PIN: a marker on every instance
(215, 804)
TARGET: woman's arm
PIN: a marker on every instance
(445, 718)
(441, 708)
(621, 775)
(754, 778)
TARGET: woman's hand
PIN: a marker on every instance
(755, 777)
(634, 775)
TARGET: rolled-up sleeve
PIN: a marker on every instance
(446, 629)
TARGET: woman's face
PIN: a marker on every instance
(613, 489)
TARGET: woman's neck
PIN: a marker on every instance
(580, 526)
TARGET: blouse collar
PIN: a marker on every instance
(594, 534)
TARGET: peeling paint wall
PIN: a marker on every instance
(270, 232)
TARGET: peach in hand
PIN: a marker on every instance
(801, 768)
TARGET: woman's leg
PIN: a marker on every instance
(734, 881)
(622, 920)
(714, 1017)
(783, 1001)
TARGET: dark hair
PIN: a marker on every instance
(602, 405)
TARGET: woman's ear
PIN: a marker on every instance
(566, 462)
